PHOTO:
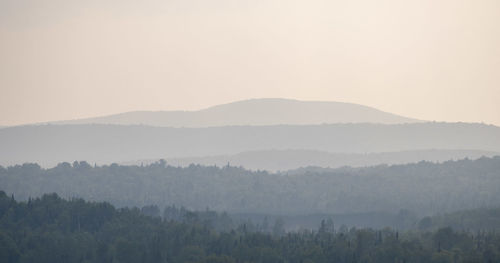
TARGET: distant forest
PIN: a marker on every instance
(52, 230)
(422, 188)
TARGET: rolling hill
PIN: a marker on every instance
(253, 112)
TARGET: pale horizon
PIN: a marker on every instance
(64, 60)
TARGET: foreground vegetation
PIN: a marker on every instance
(51, 229)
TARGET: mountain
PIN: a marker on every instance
(254, 112)
(51, 144)
(283, 160)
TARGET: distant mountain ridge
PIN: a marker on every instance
(51, 144)
(253, 112)
(284, 160)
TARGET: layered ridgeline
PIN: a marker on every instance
(423, 188)
(272, 134)
(51, 144)
(254, 112)
(283, 160)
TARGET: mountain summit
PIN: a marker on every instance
(254, 112)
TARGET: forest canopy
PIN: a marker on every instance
(423, 188)
(50, 229)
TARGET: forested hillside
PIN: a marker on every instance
(53, 230)
(423, 188)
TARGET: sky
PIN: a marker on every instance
(427, 59)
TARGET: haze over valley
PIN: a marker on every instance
(241, 131)
(283, 160)
(341, 131)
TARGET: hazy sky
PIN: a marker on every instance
(427, 59)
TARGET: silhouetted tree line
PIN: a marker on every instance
(423, 188)
(50, 229)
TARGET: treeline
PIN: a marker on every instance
(50, 229)
(423, 188)
(481, 219)
(473, 220)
